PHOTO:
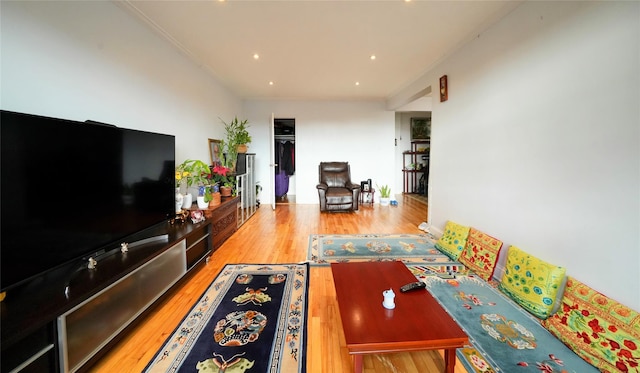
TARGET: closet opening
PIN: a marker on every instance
(284, 148)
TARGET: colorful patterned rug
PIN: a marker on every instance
(409, 248)
(251, 318)
(504, 337)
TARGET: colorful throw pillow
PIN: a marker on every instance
(602, 331)
(453, 240)
(480, 254)
(531, 282)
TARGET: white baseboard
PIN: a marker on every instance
(498, 272)
(435, 231)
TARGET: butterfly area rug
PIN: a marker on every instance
(409, 248)
(251, 318)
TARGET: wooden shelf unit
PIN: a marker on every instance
(411, 174)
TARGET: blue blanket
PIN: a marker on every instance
(503, 336)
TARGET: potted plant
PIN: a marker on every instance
(212, 195)
(196, 173)
(183, 177)
(222, 176)
(258, 190)
(385, 195)
(236, 139)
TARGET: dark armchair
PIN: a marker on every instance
(335, 189)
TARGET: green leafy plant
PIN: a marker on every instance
(208, 193)
(229, 184)
(194, 172)
(236, 133)
(385, 191)
(258, 187)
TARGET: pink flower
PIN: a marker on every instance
(220, 170)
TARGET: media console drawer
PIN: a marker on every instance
(86, 328)
(34, 353)
(198, 245)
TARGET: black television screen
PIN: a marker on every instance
(70, 189)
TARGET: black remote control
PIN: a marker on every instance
(413, 286)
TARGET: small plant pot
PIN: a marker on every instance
(225, 191)
(215, 199)
(242, 148)
(187, 201)
(201, 203)
(385, 201)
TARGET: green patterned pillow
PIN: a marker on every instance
(453, 240)
(602, 331)
(480, 254)
(531, 282)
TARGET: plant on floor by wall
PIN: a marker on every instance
(385, 191)
(258, 189)
(385, 194)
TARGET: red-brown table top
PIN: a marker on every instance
(417, 322)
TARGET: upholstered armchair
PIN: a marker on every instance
(335, 189)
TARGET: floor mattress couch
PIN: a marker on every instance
(535, 318)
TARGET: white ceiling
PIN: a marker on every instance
(318, 49)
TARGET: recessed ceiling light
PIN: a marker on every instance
(256, 56)
(373, 57)
(357, 83)
(271, 83)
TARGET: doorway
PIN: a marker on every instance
(284, 155)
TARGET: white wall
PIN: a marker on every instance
(538, 145)
(91, 60)
(539, 142)
(361, 133)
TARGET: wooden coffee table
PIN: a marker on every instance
(417, 322)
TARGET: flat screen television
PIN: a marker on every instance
(70, 189)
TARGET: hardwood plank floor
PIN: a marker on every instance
(282, 236)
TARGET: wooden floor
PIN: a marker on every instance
(282, 236)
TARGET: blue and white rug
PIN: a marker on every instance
(409, 248)
(251, 318)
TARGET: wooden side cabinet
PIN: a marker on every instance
(224, 220)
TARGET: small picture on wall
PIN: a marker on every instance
(444, 91)
(214, 152)
(420, 128)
